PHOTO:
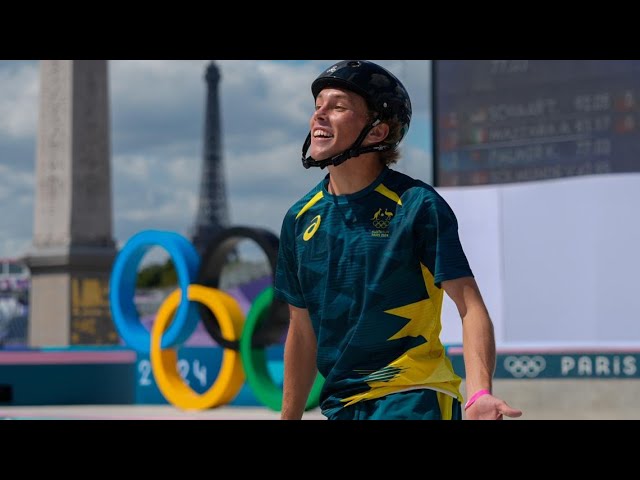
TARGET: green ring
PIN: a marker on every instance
(254, 359)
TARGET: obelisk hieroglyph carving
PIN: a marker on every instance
(73, 249)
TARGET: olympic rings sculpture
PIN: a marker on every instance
(243, 339)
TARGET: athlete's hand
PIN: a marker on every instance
(489, 407)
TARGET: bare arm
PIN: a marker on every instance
(299, 364)
(479, 349)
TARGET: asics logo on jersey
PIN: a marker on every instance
(312, 228)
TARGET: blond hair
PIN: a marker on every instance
(392, 155)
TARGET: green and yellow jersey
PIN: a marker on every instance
(368, 268)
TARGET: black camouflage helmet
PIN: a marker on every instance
(383, 92)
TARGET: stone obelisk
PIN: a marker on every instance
(73, 249)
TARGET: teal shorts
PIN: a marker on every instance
(421, 404)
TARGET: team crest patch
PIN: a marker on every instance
(380, 221)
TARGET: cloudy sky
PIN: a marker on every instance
(157, 123)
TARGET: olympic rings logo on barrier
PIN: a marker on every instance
(177, 317)
(525, 366)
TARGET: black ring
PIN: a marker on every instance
(215, 256)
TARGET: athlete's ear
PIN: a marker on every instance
(377, 134)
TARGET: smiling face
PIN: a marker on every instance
(339, 118)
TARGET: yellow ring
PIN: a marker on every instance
(164, 362)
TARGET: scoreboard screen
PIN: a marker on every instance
(504, 121)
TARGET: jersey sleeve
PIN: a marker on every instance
(439, 244)
(286, 284)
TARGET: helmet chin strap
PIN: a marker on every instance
(354, 151)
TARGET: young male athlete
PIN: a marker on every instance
(364, 260)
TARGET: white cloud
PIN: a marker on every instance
(155, 85)
(136, 167)
(18, 99)
(14, 247)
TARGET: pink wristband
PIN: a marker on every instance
(475, 397)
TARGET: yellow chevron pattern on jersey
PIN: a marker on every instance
(388, 193)
(317, 197)
(425, 364)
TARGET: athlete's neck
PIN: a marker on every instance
(353, 175)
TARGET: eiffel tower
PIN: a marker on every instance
(212, 215)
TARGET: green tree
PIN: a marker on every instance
(157, 276)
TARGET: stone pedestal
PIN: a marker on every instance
(73, 249)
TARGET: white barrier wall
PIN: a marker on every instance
(557, 261)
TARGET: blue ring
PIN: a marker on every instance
(122, 289)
